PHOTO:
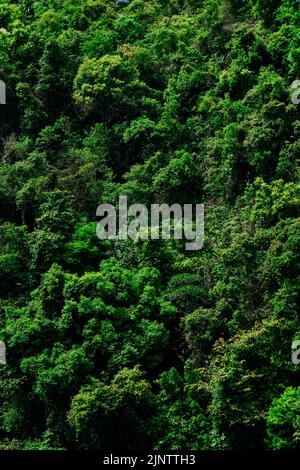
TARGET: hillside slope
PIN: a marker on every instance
(123, 344)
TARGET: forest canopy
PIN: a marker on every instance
(141, 344)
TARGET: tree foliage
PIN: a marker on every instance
(122, 344)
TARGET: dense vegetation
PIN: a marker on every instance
(122, 344)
